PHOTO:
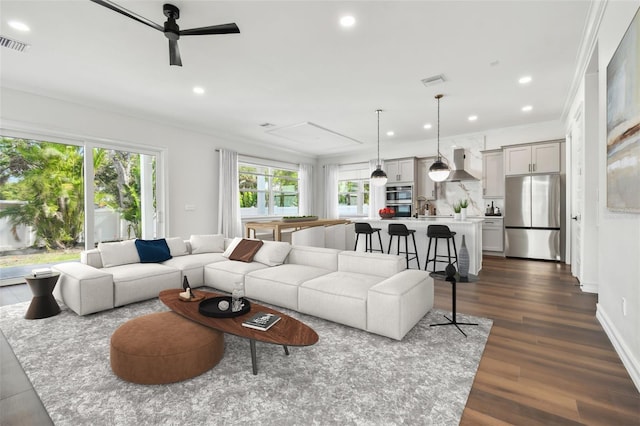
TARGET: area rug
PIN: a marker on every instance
(348, 377)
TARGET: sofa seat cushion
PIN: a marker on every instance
(279, 284)
(338, 296)
(194, 260)
(141, 281)
(223, 275)
(192, 266)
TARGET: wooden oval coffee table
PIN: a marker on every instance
(286, 332)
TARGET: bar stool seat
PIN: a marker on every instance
(436, 232)
(400, 230)
(366, 229)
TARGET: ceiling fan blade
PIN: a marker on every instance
(174, 53)
(214, 29)
(111, 5)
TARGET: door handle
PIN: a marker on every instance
(575, 218)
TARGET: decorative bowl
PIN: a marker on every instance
(386, 215)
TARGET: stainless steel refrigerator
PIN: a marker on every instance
(533, 222)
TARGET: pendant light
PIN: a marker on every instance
(439, 171)
(378, 177)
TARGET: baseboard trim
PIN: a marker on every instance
(589, 287)
(630, 363)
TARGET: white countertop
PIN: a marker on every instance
(438, 219)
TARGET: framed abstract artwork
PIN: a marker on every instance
(623, 123)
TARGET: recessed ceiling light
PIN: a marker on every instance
(527, 108)
(427, 126)
(473, 117)
(20, 26)
(390, 133)
(198, 90)
(347, 21)
(524, 80)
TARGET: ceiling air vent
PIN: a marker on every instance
(13, 44)
(432, 81)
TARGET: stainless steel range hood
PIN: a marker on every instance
(459, 173)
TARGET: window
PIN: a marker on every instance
(353, 190)
(267, 190)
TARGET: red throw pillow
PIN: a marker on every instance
(245, 250)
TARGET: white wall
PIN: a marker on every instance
(618, 234)
(191, 160)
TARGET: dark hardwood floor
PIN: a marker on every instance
(547, 360)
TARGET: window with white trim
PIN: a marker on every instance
(353, 190)
(268, 189)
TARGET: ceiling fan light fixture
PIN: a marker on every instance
(439, 170)
(378, 177)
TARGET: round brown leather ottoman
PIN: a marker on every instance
(163, 348)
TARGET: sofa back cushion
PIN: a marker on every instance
(207, 243)
(118, 253)
(381, 265)
(153, 251)
(273, 253)
(177, 246)
(319, 257)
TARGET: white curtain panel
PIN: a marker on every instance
(331, 191)
(229, 222)
(377, 194)
(305, 189)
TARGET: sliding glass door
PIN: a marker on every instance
(58, 198)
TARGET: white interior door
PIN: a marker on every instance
(577, 193)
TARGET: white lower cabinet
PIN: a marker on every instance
(492, 235)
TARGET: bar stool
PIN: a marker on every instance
(400, 230)
(367, 230)
(437, 232)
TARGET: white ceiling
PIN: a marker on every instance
(292, 63)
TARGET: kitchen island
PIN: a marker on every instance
(471, 228)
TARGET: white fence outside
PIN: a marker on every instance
(108, 227)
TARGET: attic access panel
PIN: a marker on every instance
(311, 135)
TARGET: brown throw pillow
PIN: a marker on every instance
(245, 250)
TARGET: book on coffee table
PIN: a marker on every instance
(261, 321)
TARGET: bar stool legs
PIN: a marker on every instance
(437, 232)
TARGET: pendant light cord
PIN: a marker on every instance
(438, 98)
(378, 111)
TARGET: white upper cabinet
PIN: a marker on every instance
(546, 158)
(425, 186)
(492, 174)
(537, 158)
(401, 170)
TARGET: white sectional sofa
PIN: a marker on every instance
(370, 291)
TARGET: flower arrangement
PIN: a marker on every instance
(386, 213)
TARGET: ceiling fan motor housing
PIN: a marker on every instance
(171, 28)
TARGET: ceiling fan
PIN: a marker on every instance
(171, 29)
